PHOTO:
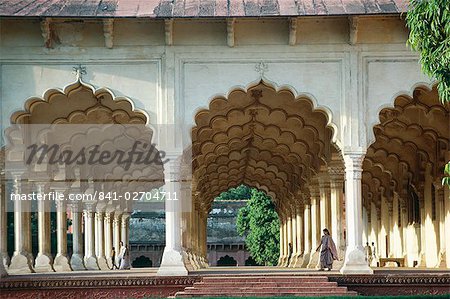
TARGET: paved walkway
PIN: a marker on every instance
(145, 272)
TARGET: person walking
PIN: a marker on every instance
(113, 259)
(125, 262)
(328, 253)
(368, 251)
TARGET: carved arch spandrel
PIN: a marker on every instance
(79, 103)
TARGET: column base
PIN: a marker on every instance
(298, 261)
(61, 263)
(305, 262)
(422, 261)
(102, 263)
(5, 259)
(20, 264)
(442, 263)
(3, 272)
(187, 260)
(76, 262)
(314, 261)
(91, 263)
(43, 263)
(172, 264)
(355, 262)
(283, 261)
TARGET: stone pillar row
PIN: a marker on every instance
(421, 243)
(95, 232)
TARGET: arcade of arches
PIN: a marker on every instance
(265, 138)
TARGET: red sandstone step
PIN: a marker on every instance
(312, 294)
(264, 286)
(260, 283)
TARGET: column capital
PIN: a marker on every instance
(353, 165)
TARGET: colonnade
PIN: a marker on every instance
(95, 229)
(411, 225)
(303, 219)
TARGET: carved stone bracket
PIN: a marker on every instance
(292, 31)
(48, 33)
(108, 32)
(230, 32)
(353, 30)
(168, 30)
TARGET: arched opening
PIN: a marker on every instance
(226, 261)
(69, 147)
(142, 262)
(405, 202)
(271, 140)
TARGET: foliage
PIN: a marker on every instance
(446, 179)
(258, 222)
(240, 192)
(429, 24)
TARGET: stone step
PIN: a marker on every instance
(266, 290)
(264, 284)
(267, 278)
(302, 294)
(261, 283)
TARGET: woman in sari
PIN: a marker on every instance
(328, 253)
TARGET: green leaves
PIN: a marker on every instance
(259, 223)
(429, 25)
(446, 178)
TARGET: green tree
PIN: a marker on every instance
(240, 192)
(258, 222)
(429, 25)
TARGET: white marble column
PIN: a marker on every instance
(315, 229)
(61, 260)
(354, 262)
(44, 259)
(76, 260)
(172, 260)
(100, 240)
(90, 260)
(299, 229)
(125, 229)
(306, 235)
(337, 196)
(108, 231)
(20, 261)
(116, 235)
(294, 237)
(440, 211)
(324, 187)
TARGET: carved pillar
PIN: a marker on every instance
(324, 188)
(447, 223)
(294, 236)
(373, 239)
(100, 239)
(44, 259)
(315, 229)
(300, 237)
(354, 262)
(76, 260)
(61, 260)
(307, 235)
(21, 262)
(90, 260)
(172, 261)
(440, 211)
(116, 235)
(108, 231)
